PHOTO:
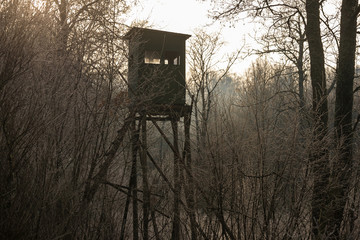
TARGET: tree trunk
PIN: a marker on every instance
(343, 110)
(144, 169)
(319, 155)
(177, 184)
(189, 186)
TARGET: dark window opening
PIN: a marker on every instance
(171, 58)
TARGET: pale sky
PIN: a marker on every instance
(185, 16)
(173, 15)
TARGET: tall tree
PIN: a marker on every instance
(285, 35)
(319, 155)
(205, 77)
(343, 110)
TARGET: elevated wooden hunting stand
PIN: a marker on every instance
(156, 87)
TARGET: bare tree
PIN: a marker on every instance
(18, 34)
(286, 36)
(343, 114)
(205, 76)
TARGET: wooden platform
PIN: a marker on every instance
(163, 112)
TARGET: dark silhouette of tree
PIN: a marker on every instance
(343, 166)
(319, 156)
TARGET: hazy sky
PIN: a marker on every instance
(185, 16)
(173, 15)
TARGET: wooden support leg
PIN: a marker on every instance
(177, 183)
(146, 193)
(133, 179)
